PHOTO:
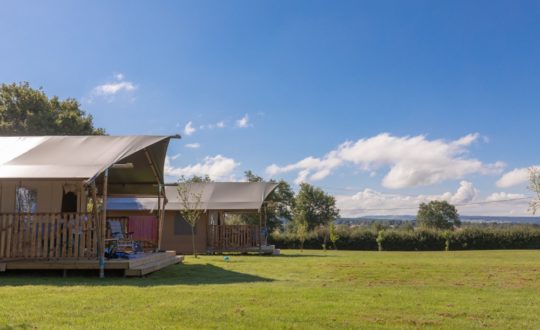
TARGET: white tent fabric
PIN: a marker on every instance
(85, 157)
(214, 196)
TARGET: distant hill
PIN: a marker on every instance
(464, 218)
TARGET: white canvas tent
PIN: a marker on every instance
(225, 196)
(86, 158)
(213, 234)
(44, 171)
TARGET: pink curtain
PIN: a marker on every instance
(144, 227)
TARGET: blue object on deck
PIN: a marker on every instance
(226, 258)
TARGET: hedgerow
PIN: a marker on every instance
(468, 238)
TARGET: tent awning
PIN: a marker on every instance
(86, 158)
(214, 196)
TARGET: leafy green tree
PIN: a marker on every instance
(28, 111)
(196, 179)
(301, 229)
(252, 177)
(279, 204)
(316, 207)
(334, 236)
(380, 240)
(437, 215)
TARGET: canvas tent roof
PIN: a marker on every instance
(86, 158)
(214, 196)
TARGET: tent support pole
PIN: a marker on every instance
(161, 210)
(103, 224)
(161, 213)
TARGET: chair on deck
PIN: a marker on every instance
(121, 241)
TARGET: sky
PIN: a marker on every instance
(384, 104)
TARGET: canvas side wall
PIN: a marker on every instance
(177, 235)
(49, 194)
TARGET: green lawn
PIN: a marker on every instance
(298, 290)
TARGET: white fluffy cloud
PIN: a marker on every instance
(412, 160)
(189, 129)
(110, 89)
(217, 168)
(516, 177)
(371, 202)
(243, 122)
(466, 193)
(501, 196)
(193, 145)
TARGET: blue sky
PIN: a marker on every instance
(453, 84)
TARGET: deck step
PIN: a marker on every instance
(151, 258)
(150, 267)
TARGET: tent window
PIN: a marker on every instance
(69, 202)
(181, 227)
(26, 200)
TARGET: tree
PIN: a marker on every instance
(191, 201)
(437, 215)
(28, 111)
(316, 207)
(252, 177)
(534, 186)
(196, 179)
(301, 229)
(278, 205)
(334, 236)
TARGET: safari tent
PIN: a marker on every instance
(53, 199)
(219, 201)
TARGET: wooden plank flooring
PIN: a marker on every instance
(140, 266)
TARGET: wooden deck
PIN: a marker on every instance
(233, 238)
(48, 236)
(143, 264)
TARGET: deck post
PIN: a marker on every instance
(102, 225)
(260, 230)
(95, 215)
(265, 217)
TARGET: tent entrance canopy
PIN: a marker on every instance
(86, 158)
(234, 197)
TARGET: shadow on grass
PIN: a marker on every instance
(295, 255)
(301, 255)
(173, 275)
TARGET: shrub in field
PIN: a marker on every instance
(380, 239)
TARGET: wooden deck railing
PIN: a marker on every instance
(223, 238)
(48, 236)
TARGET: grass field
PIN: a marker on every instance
(298, 290)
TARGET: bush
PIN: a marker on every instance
(469, 238)
(490, 238)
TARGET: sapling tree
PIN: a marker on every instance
(301, 232)
(534, 186)
(380, 240)
(191, 210)
(334, 236)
